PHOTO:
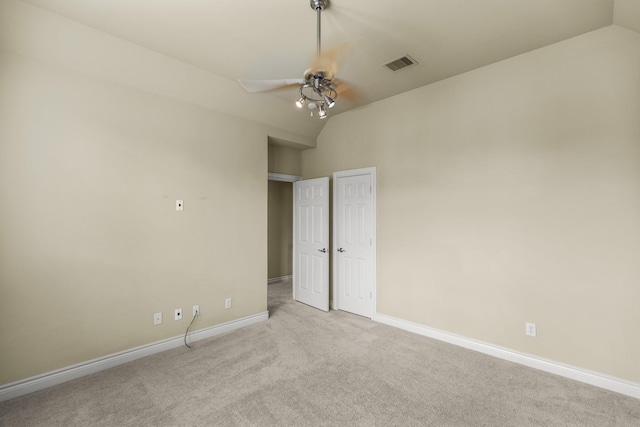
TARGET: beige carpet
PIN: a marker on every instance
(304, 367)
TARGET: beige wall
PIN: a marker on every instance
(91, 245)
(280, 230)
(511, 194)
(284, 160)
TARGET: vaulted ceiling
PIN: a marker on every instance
(195, 50)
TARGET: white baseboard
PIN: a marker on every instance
(49, 379)
(279, 279)
(589, 377)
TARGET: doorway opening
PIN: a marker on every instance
(279, 232)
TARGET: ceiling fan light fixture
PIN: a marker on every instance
(322, 113)
(300, 102)
(329, 101)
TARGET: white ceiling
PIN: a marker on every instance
(274, 39)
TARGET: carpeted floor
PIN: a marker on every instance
(304, 367)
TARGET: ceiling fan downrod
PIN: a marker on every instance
(319, 6)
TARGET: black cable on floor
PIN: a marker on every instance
(189, 327)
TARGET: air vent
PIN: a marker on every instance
(401, 63)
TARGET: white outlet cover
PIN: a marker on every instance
(157, 319)
(530, 329)
(178, 314)
(179, 205)
(227, 303)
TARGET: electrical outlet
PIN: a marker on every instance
(157, 319)
(179, 205)
(178, 314)
(530, 329)
(227, 303)
(196, 310)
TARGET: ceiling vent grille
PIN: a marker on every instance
(401, 63)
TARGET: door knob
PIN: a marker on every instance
(323, 250)
(341, 250)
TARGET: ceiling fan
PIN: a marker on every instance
(318, 88)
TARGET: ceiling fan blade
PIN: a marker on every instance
(347, 92)
(253, 86)
(329, 59)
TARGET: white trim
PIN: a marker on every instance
(294, 203)
(283, 178)
(589, 377)
(279, 279)
(335, 304)
(49, 379)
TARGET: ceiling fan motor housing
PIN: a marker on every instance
(313, 74)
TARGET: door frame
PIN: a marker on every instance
(335, 303)
(280, 177)
(283, 177)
